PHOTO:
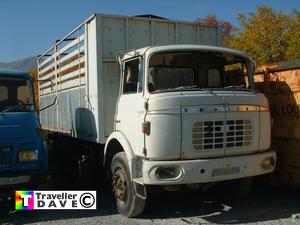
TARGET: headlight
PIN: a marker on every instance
(268, 163)
(28, 156)
(169, 172)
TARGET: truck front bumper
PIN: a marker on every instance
(207, 170)
(21, 181)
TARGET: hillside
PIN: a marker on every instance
(23, 64)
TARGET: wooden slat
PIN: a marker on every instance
(49, 69)
(72, 83)
(49, 76)
(71, 44)
(79, 63)
(70, 57)
(46, 61)
(72, 69)
(72, 76)
(44, 73)
(68, 69)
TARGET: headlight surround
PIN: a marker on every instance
(28, 156)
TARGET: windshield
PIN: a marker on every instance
(16, 95)
(174, 71)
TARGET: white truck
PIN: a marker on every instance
(160, 100)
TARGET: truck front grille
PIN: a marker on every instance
(208, 135)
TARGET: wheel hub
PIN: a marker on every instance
(119, 185)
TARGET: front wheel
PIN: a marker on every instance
(128, 203)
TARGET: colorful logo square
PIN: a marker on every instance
(24, 200)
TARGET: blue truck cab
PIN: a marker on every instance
(23, 153)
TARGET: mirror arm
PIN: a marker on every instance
(44, 80)
(48, 106)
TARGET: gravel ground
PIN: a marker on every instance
(263, 206)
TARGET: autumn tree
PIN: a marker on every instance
(293, 37)
(34, 74)
(212, 20)
(268, 36)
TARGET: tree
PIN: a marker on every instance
(293, 37)
(34, 74)
(268, 36)
(212, 20)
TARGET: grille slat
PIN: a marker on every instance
(209, 135)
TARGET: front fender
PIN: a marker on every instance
(123, 141)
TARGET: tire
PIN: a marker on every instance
(128, 203)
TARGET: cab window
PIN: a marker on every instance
(3, 93)
(133, 79)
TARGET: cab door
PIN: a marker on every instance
(130, 111)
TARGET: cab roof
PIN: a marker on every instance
(164, 48)
(14, 73)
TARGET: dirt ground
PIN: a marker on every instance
(263, 206)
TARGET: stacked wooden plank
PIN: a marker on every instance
(281, 84)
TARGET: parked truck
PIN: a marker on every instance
(23, 153)
(158, 103)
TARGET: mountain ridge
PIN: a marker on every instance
(25, 64)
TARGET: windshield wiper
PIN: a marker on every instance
(181, 88)
(14, 107)
(242, 86)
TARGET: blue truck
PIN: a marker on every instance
(23, 153)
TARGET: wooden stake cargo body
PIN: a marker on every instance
(281, 84)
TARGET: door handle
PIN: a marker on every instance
(118, 121)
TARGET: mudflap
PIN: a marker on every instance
(140, 189)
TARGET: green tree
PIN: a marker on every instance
(293, 37)
(268, 36)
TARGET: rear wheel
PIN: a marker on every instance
(128, 203)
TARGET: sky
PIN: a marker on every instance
(30, 27)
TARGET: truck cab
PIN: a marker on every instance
(23, 153)
(186, 115)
